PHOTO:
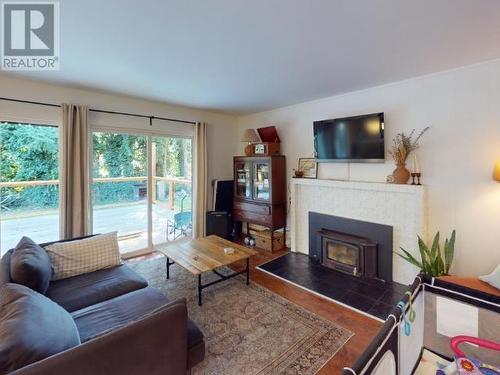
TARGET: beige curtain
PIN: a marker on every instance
(74, 172)
(200, 182)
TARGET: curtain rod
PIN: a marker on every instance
(151, 118)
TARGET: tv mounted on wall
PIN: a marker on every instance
(350, 139)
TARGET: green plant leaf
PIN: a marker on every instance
(440, 264)
(410, 258)
(435, 256)
(435, 247)
(425, 255)
(449, 250)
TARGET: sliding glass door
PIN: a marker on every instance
(141, 187)
(120, 189)
(172, 188)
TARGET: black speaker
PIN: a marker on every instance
(220, 223)
(223, 195)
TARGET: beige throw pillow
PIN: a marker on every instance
(83, 256)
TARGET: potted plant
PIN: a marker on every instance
(402, 146)
(433, 261)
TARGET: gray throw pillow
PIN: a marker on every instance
(30, 266)
(32, 327)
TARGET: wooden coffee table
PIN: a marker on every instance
(204, 255)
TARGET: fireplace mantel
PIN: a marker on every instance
(360, 185)
(400, 206)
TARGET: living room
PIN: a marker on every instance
(299, 188)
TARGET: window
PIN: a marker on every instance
(29, 183)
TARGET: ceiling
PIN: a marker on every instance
(244, 56)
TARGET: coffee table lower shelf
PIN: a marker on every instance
(221, 277)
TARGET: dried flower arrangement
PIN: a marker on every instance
(403, 144)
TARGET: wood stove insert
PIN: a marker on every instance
(347, 253)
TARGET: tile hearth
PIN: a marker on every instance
(373, 297)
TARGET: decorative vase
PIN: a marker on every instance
(298, 174)
(249, 149)
(401, 174)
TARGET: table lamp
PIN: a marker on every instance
(496, 172)
(250, 136)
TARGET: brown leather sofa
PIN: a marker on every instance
(125, 326)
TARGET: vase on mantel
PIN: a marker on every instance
(401, 174)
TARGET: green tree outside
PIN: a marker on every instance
(31, 152)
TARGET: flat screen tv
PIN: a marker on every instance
(350, 139)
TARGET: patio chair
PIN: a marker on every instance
(182, 222)
(6, 201)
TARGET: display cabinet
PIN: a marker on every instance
(260, 191)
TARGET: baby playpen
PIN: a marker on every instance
(416, 336)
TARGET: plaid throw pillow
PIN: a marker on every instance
(83, 256)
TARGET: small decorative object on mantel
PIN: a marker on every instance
(298, 174)
(415, 178)
(250, 137)
(401, 148)
(308, 167)
(415, 171)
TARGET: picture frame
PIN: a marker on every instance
(309, 167)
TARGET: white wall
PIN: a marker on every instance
(457, 155)
(221, 128)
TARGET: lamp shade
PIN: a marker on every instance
(496, 172)
(250, 135)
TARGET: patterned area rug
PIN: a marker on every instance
(248, 329)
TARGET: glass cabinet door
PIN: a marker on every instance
(243, 180)
(261, 187)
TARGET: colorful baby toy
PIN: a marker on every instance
(411, 314)
(466, 365)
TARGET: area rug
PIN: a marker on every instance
(248, 329)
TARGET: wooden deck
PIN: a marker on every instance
(130, 220)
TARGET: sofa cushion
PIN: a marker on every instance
(30, 265)
(100, 318)
(96, 320)
(5, 268)
(32, 327)
(81, 291)
(78, 257)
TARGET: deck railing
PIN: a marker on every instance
(171, 181)
(13, 184)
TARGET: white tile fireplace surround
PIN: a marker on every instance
(401, 206)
